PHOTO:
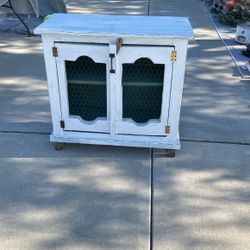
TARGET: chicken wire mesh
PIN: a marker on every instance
(142, 90)
(87, 92)
(142, 84)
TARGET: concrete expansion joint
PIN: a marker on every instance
(217, 142)
(23, 132)
(183, 139)
(149, 2)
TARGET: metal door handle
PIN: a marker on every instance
(112, 56)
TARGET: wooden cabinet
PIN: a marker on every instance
(115, 80)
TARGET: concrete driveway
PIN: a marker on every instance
(96, 197)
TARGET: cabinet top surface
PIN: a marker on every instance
(114, 25)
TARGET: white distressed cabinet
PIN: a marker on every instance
(115, 80)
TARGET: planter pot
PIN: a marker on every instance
(242, 34)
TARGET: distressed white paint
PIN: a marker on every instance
(53, 88)
(158, 55)
(70, 52)
(95, 36)
(118, 140)
(112, 100)
(115, 25)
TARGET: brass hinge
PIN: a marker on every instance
(62, 124)
(174, 56)
(54, 51)
(167, 129)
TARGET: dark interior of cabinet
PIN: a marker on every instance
(142, 84)
(87, 88)
(142, 88)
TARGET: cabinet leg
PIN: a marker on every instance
(170, 153)
(59, 146)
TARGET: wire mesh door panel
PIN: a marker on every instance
(144, 90)
(84, 89)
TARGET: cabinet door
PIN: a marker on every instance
(144, 89)
(83, 84)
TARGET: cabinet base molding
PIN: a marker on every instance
(118, 140)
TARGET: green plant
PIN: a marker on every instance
(236, 12)
(243, 7)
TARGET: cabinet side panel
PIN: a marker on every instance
(52, 79)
